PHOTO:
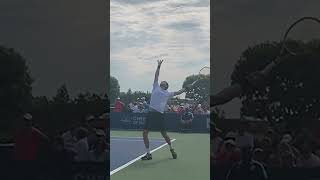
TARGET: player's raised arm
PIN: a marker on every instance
(156, 76)
(226, 95)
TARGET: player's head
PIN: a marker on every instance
(164, 85)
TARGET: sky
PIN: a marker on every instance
(141, 31)
(239, 24)
(62, 41)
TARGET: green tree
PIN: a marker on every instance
(62, 95)
(114, 89)
(15, 86)
(290, 93)
(200, 91)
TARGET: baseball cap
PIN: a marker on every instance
(230, 141)
(27, 116)
(100, 132)
(90, 118)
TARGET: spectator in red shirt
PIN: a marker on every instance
(228, 154)
(118, 105)
(29, 141)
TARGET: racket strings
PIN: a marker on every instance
(295, 42)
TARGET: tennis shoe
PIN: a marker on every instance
(173, 153)
(148, 156)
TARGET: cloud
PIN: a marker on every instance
(142, 30)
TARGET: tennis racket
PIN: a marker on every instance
(295, 40)
(203, 73)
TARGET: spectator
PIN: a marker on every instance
(30, 142)
(199, 109)
(244, 138)
(99, 154)
(130, 107)
(69, 139)
(308, 159)
(186, 120)
(228, 154)
(82, 147)
(247, 168)
(119, 105)
(135, 108)
(216, 141)
(60, 153)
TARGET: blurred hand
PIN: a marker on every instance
(159, 62)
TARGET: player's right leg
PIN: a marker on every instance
(148, 155)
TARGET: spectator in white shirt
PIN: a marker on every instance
(69, 139)
(135, 108)
(82, 146)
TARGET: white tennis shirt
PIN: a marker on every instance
(159, 98)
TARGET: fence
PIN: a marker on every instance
(136, 121)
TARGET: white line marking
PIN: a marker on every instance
(6, 145)
(136, 159)
(121, 137)
(136, 140)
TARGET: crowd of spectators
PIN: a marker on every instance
(271, 149)
(141, 106)
(81, 143)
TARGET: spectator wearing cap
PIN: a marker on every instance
(82, 146)
(30, 142)
(119, 105)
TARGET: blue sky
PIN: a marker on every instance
(144, 30)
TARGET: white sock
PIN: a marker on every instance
(148, 150)
(170, 146)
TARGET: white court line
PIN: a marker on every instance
(138, 158)
(137, 140)
(6, 145)
(121, 137)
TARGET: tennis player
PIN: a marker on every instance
(155, 118)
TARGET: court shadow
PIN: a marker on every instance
(143, 164)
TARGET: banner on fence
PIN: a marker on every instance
(127, 120)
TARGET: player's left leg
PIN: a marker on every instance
(167, 139)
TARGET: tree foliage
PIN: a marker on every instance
(15, 85)
(291, 92)
(200, 91)
(114, 89)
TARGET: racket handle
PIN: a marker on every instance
(270, 66)
(194, 82)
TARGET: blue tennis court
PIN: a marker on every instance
(126, 150)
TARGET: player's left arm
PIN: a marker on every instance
(182, 90)
(179, 92)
